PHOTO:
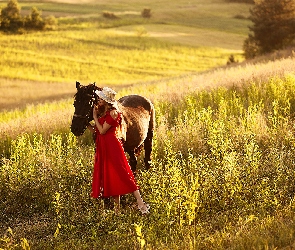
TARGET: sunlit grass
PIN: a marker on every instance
(170, 90)
(223, 153)
(222, 176)
(190, 36)
(89, 48)
(101, 56)
(19, 94)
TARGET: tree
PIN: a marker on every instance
(273, 26)
(11, 19)
(34, 20)
(146, 13)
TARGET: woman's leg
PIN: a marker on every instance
(139, 200)
(143, 207)
(117, 203)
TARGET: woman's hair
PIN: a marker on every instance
(120, 131)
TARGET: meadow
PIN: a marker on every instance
(119, 53)
(222, 174)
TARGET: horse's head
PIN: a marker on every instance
(83, 103)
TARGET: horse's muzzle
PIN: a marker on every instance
(78, 126)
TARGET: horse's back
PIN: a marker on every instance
(135, 101)
(138, 113)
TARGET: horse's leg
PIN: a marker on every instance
(148, 148)
(132, 160)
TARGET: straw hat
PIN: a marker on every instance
(107, 94)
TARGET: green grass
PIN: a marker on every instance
(178, 40)
(222, 177)
(223, 152)
(102, 56)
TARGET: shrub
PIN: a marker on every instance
(11, 20)
(251, 48)
(146, 13)
(231, 59)
(34, 20)
(50, 22)
(109, 15)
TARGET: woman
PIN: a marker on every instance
(112, 175)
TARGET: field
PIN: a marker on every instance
(121, 52)
(223, 152)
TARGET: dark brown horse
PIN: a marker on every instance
(138, 121)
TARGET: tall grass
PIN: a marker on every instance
(222, 177)
(223, 153)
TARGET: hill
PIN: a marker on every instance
(182, 39)
(222, 173)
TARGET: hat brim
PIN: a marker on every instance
(101, 95)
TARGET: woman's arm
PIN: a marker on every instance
(101, 128)
(91, 128)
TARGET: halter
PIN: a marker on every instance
(91, 102)
(80, 116)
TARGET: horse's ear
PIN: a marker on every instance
(77, 85)
(94, 83)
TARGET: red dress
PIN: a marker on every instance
(112, 173)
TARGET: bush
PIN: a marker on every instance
(11, 20)
(109, 15)
(231, 59)
(146, 13)
(50, 22)
(34, 21)
(251, 48)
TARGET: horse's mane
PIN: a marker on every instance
(84, 90)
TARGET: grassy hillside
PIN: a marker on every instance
(224, 144)
(222, 176)
(182, 39)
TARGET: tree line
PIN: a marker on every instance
(11, 21)
(273, 27)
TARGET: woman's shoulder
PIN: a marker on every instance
(114, 113)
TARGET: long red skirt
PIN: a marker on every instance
(112, 173)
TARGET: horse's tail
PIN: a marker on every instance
(152, 122)
(148, 142)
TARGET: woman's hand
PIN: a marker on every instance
(95, 111)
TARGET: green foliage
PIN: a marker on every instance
(34, 21)
(146, 13)
(223, 168)
(109, 15)
(103, 55)
(231, 59)
(12, 21)
(273, 27)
